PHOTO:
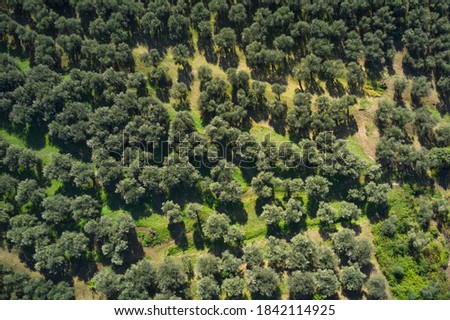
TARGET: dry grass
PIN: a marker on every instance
(159, 252)
(367, 134)
(139, 65)
(170, 65)
(262, 129)
(11, 258)
(242, 61)
(288, 96)
(84, 292)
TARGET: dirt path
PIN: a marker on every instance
(367, 140)
(398, 62)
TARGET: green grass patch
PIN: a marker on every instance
(364, 104)
(312, 223)
(198, 123)
(170, 110)
(373, 88)
(158, 223)
(237, 176)
(65, 76)
(255, 228)
(410, 272)
(45, 153)
(12, 139)
(354, 147)
(260, 132)
(24, 64)
(53, 188)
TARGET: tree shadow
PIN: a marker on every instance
(35, 137)
(178, 233)
(135, 252)
(70, 190)
(326, 231)
(84, 269)
(218, 247)
(26, 256)
(335, 88)
(416, 102)
(444, 106)
(197, 237)
(353, 226)
(374, 71)
(275, 296)
(376, 213)
(292, 229)
(185, 75)
(163, 94)
(267, 75)
(183, 196)
(353, 295)
(340, 186)
(260, 203)
(241, 297)
(297, 135)
(79, 151)
(300, 297)
(248, 173)
(275, 230)
(260, 113)
(315, 88)
(443, 179)
(367, 269)
(161, 44)
(205, 47)
(279, 125)
(236, 212)
(228, 60)
(312, 206)
(352, 126)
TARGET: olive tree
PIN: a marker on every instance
(301, 284)
(262, 282)
(351, 278)
(376, 288)
(350, 211)
(327, 214)
(233, 287)
(327, 283)
(208, 289)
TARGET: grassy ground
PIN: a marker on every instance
(82, 290)
(255, 228)
(152, 228)
(261, 130)
(44, 153)
(24, 64)
(355, 147)
(408, 272)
